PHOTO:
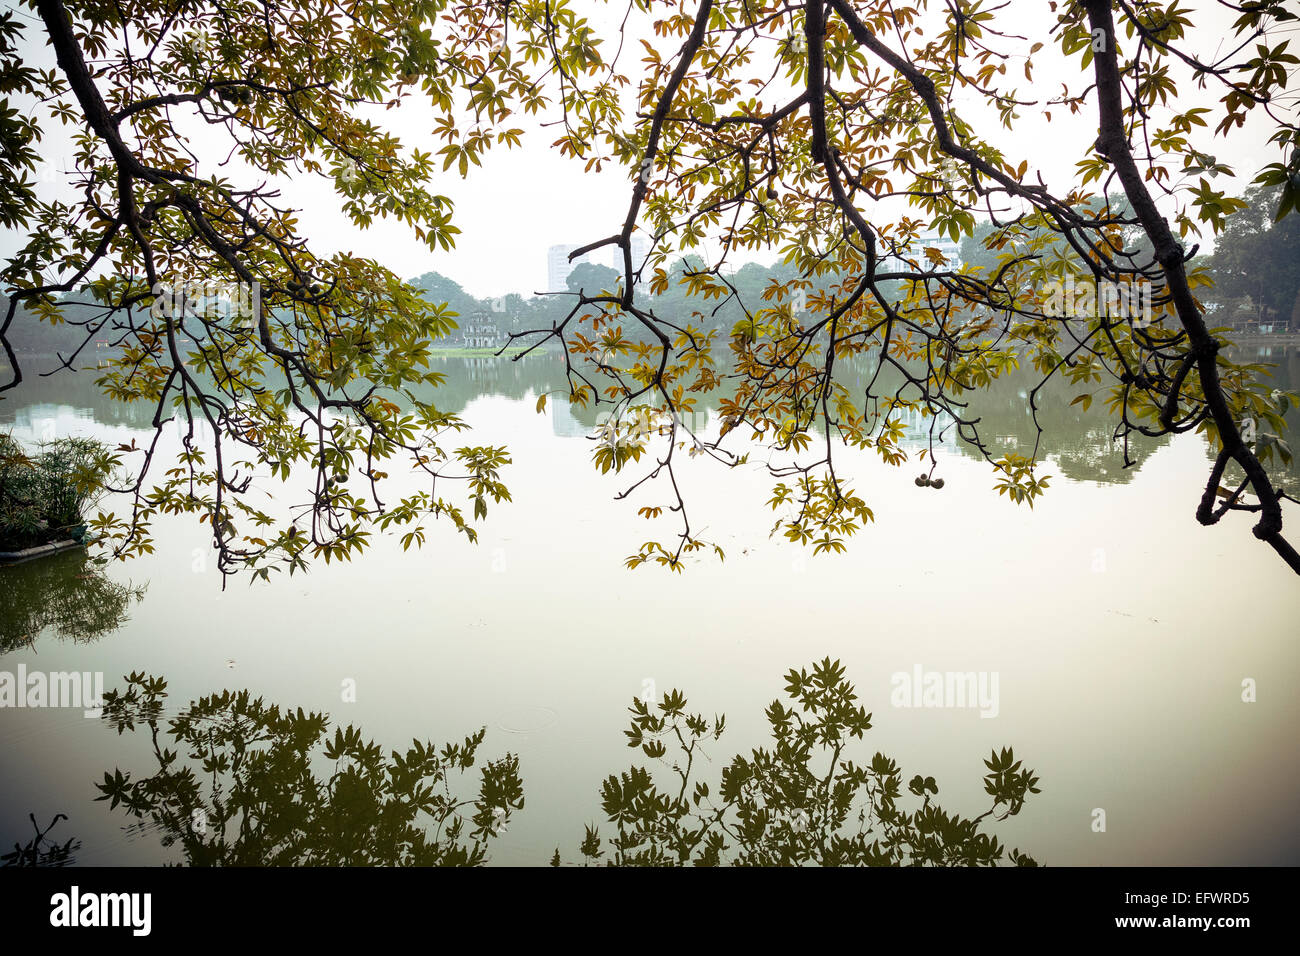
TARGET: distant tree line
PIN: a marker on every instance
(1255, 267)
(1255, 264)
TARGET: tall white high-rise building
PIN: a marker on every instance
(558, 265)
(950, 248)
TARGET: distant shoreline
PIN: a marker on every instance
(453, 351)
(1267, 338)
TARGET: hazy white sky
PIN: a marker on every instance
(524, 200)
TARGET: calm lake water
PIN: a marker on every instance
(1119, 629)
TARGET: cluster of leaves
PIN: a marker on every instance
(1019, 480)
(801, 801)
(238, 784)
(19, 134)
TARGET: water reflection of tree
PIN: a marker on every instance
(40, 849)
(471, 377)
(65, 592)
(77, 391)
(800, 802)
(257, 790)
(240, 782)
(1080, 440)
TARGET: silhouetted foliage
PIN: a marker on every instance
(800, 801)
(240, 784)
(40, 850)
(66, 593)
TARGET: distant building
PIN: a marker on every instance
(558, 266)
(950, 248)
(640, 249)
(481, 332)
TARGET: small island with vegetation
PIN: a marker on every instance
(45, 493)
